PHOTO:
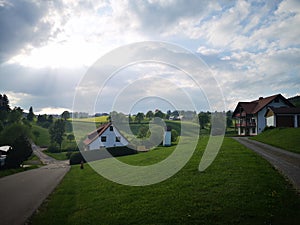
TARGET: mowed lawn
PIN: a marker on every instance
(286, 138)
(238, 188)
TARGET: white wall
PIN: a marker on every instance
(110, 140)
(167, 138)
(270, 121)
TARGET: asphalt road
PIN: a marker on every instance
(22, 193)
(288, 163)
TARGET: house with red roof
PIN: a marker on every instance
(252, 117)
(106, 136)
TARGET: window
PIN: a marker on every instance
(118, 139)
(111, 128)
(276, 100)
(253, 130)
(103, 138)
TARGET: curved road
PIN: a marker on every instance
(22, 193)
(288, 163)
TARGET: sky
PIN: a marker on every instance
(48, 47)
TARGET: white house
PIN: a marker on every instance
(107, 136)
(250, 116)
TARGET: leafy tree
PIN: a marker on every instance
(139, 117)
(21, 151)
(117, 117)
(50, 119)
(30, 115)
(229, 118)
(43, 121)
(4, 103)
(142, 133)
(12, 131)
(65, 115)
(57, 131)
(159, 114)
(204, 119)
(15, 115)
(149, 114)
(70, 137)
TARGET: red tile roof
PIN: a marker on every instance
(285, 110)
(95, 134)
(257, 105)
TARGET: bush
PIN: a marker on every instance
(53, 149)
(21, 151)
(174, 135)
(76, 158)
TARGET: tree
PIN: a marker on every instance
(142, 133)
(70, 137)
(139, 117)
(159, 114)
(15, 115)
(21, 150)
(204, 119)
(65, 115)
(149, 114)
(57, 131)
(229, 118)
(4, 103)
(30, 115)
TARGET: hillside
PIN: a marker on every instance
(295, 100)
(285, 138)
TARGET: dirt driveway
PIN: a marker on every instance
(288, 163)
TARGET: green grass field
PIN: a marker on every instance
(43, 138)
(238, 188)
(99, 119)
(285, 138)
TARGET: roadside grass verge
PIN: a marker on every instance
(285, 138)
(238, 188)
(8, 172)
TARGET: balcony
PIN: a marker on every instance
(248, 124)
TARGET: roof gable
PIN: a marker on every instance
(255, 106)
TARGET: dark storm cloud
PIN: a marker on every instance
(20, 24)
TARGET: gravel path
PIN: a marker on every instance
(288, 163)
(22, 193)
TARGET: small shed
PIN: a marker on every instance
(167, 136)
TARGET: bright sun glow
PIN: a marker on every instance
(56, 55)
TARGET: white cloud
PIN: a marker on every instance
(252, 47)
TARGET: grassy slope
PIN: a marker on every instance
(44, 138)
(285, 138)
(238, 188)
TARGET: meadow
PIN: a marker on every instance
(238, 188)
(285, 138)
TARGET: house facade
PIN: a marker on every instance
(105, 136)
(250, 116)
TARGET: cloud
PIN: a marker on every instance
(22, 26)
(252, 47)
